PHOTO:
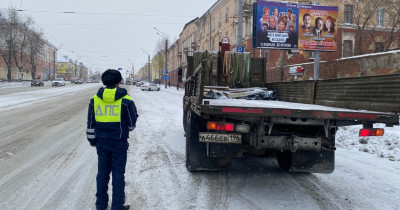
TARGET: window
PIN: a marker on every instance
(220, 19)
(311, 55)
(347, 48)
(249, 27)
(380, 17)
(236, 6)
(379, 46)
(234, 34)
(213, 24)
(227, 15)
(348, 13)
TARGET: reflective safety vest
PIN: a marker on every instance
(108, 109)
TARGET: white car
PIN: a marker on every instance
(150, 87)
(58, 82)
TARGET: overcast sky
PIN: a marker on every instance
(109, 33)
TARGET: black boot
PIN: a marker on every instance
(125, 207)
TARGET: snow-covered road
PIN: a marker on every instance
(47, 163)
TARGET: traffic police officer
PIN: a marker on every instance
(111, 115)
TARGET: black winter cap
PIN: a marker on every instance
(111, 77)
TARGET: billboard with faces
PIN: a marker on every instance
(294, 26)
(275, 25)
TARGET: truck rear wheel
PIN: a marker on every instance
(185, 115)
(196, 152)
(309, 161)
(284, 159)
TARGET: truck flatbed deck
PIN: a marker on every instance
(290, 109)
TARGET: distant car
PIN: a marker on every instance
(138, 84)
(150, 87)
(97, 81)
(89, 81)
(37, 82)
(128, 82)
(78, 81)
(58, 82)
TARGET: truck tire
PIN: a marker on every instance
(185, 115)
(185, 118)
(284, 159)
(196, 152)
(308, 161)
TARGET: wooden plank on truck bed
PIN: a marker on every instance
(242, 92)
(216, 88)
(231, 93)
(246, 89)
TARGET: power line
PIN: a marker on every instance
(101, 24)
(102, 13)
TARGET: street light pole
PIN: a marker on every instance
(166, 55)
(166, 63)
(148, 58)
(148, 63)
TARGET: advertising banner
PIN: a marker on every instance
(61, 70)
(275, 25)
(294, 26)
(317, 30)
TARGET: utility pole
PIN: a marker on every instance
(316, 65)
(76, 61)
(166, 62)
(148, 62)
(166, 55)
(240, 24)
(54, 63)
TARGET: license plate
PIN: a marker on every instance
(234, 138)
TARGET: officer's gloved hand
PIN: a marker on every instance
(92, 142)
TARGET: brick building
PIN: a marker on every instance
(356, 35)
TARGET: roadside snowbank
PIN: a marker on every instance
(6, 84)
(387, 146)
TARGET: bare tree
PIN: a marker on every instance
(365, 20)
(364, 13)
(391, 28)
(20, 44)
(19, 47)
(8, 36)
(35, 49)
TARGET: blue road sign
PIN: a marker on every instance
(240, 49)
(166, 78)
(119, 69)
(166, 71)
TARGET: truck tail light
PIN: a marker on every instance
(220, 126)
(372, 132)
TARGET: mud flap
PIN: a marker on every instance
(224, 150)
(196, 152)
(313, 161)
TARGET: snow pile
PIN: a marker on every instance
(5, 84)
(386, 146)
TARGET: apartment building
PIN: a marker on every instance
(44, 68)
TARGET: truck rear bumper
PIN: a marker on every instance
(292, 143)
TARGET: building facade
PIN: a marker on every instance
(357, 34)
